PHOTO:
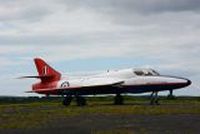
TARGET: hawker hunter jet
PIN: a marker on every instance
(115, 82)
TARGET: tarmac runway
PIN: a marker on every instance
(127, 124)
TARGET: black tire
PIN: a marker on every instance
(80, 101)
(118, 100)
(67, 101)
(156, 102)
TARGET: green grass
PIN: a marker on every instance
(37, 114)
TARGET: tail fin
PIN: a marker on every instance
(46, 73)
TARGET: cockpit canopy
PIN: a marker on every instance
(146, 72)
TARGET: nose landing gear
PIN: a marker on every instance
(170, 96)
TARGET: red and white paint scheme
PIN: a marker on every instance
(111, 82)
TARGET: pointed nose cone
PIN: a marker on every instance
(186, 82)
(189, 82)
(182, 82)
(175, 82)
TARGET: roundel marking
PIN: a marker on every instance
(65, 84)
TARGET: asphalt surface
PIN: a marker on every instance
(130, 124)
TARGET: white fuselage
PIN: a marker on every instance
(132, 78)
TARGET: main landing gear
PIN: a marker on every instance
(118, 100)
(154, 98)
(79, 100)
(67, 100)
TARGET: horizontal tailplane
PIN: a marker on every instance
(38, 77)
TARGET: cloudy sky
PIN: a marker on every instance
(90, 35)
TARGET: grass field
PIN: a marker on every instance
(37, 114)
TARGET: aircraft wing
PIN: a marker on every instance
(90, 84)
(94, 82)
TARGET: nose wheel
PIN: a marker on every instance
(170, 96)
(154, 98)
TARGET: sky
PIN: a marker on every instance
(77, 36)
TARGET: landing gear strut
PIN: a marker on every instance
(154, 98)
(67, 100)
(170, 96)
(80, 101)
(118, 100)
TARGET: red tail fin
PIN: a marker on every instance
(46, 73)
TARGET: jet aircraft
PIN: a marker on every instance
(117, 82)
